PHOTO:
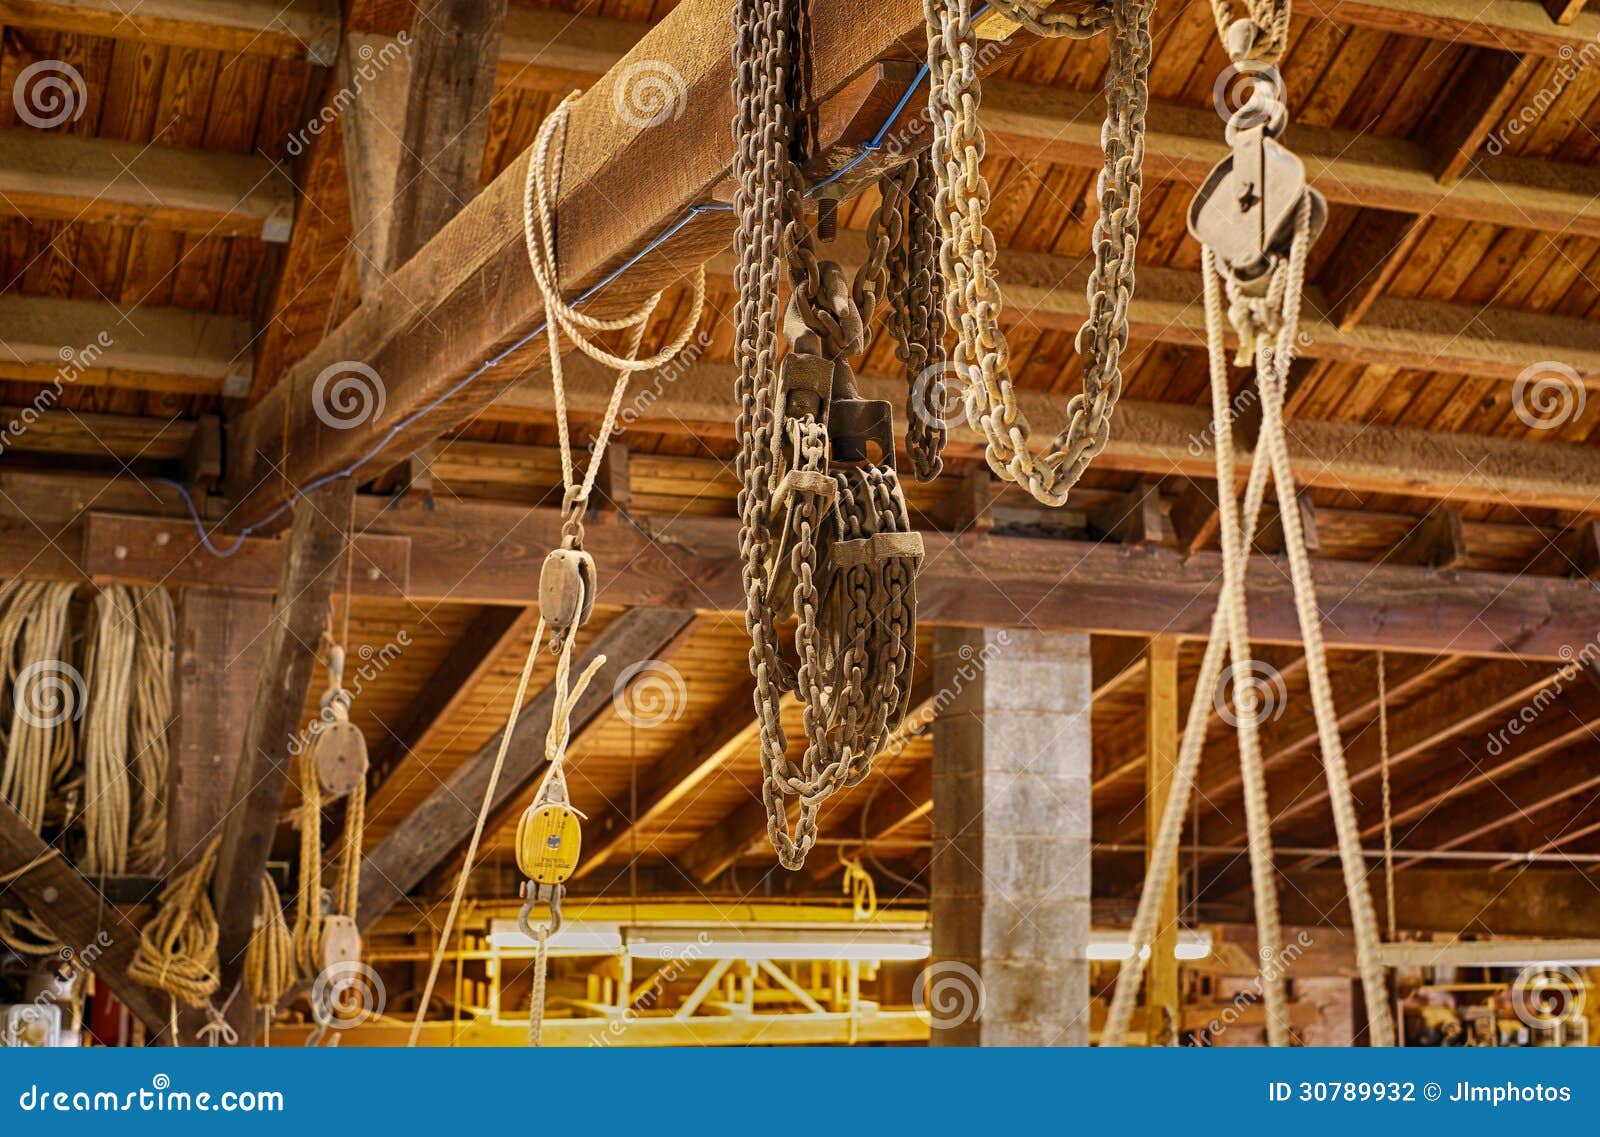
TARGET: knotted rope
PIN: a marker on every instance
(177, 952)
(269, 958)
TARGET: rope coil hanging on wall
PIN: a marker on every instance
(1256, 218)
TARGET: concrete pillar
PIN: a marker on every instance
(1011, 835)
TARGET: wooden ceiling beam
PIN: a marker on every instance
(283, 29)
(1165, 440)
(1531, 902)
(40, 333)
(1510, 25)
(479, 552)
(62, 177)
(430, 324)
(442, 825)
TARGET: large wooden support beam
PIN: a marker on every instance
(284, 29)
(210, 353)
(439, 827)
(300, 612)
(1534, 902)
(62, 177)
(479, 553)
(469, 296)
(1163, 439)
(75, 912)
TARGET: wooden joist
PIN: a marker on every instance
(479, 552)
(62, 177)
(75, 342)
(1533, 902)
(300, 613)
(442, 825)
(76, 913)
(284, 29)
(1509, 25)
(1163, 439)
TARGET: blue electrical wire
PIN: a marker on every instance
(867, 150)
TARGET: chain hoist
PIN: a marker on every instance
(981, 363)
(825, 535)
(1256, 217)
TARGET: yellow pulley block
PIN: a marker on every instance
(549, 841)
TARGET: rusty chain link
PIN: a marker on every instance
(831, 548)
(967, 248)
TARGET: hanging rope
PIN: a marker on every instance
(269, 957)
(177, 951)
(45, 696)
(150, 716)
(108, 671)
(1260, 296)
(1388, 800)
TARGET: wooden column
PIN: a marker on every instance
(220, 642)
(287, 655)
(1011, 836)
(1163, 1000)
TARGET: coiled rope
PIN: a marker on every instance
(177, 952)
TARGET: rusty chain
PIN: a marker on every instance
(830, 547)
(967, 248)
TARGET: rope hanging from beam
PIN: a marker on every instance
(1256, 219)
(568, 582)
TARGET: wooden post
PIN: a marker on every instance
(1163, 999)
(218, 661)
(300, 612)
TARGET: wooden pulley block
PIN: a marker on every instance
(340, 758)
(549, 841)
(567, 585)
(341, 942)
